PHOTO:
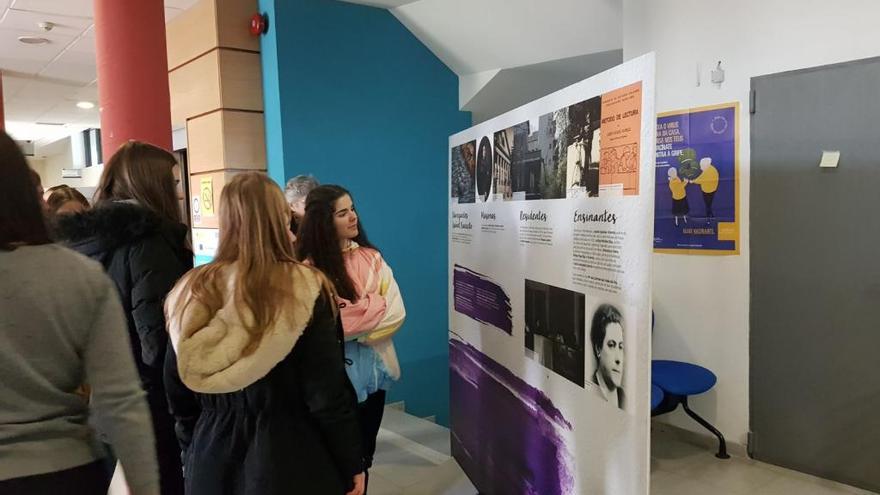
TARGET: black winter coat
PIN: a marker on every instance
(144, 255)
(276, 419)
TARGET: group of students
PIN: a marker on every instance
(262, 372)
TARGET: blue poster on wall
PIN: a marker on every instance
(696, 209)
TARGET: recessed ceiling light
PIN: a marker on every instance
(85, 105)
(32, 40)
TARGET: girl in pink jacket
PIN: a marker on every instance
(332, 239)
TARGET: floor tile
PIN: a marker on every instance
(412, 452)
(671, 454)
(418, 430)
(379, 485)
(682, 485)
(735, 475)
(663, 482)
(786, 481)
(412, 458)
(447, 479)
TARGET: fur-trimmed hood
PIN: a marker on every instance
(110, 225)
(214, 349)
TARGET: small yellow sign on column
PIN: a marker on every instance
(207, 197)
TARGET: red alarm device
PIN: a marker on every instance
(259, 24)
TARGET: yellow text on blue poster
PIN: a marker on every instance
(696, 206)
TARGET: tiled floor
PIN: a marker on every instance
(413, 459)
(680, 468)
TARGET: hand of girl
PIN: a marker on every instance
(359, 485)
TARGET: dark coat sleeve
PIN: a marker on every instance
(155, 266)
(326, 389)
(182, 403)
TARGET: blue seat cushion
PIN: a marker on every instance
(656, 396)
(679, 378)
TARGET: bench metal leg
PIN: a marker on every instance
(722, 445)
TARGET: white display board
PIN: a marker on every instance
(550, 242)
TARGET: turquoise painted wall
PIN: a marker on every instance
(353, 98)
(272, 95)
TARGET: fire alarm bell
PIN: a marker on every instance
(259, 24)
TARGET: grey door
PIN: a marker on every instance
(815, 272)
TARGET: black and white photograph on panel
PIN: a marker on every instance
(582, 140)
(501, 180)
(555, 329)
(515, 176)
(525, 162)
(608, 353)
(484, 169)
(464, 164)
(547, 156)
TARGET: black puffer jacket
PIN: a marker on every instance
(145, 256)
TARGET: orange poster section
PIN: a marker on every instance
(620, 140)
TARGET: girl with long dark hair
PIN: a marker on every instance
(60, 326)
(333, 239)
(135, 232)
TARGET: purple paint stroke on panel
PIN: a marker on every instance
(505, 433)
(478, 297)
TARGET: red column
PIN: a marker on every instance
(132, 73)
(2, 112)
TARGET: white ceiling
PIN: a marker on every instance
(508, 52)
(477, 35)
(43, 83)
(502, 50)
(510, 88)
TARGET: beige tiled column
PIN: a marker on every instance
(216, 91)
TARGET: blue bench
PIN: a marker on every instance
(677, 381)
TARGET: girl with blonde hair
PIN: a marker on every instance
(257, 381)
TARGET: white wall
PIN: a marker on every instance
(58, 156)
(751, 38)
(499, 48)
(475, 36)
(38, 164)
(55, 157)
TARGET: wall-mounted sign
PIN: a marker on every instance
(696, 205)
